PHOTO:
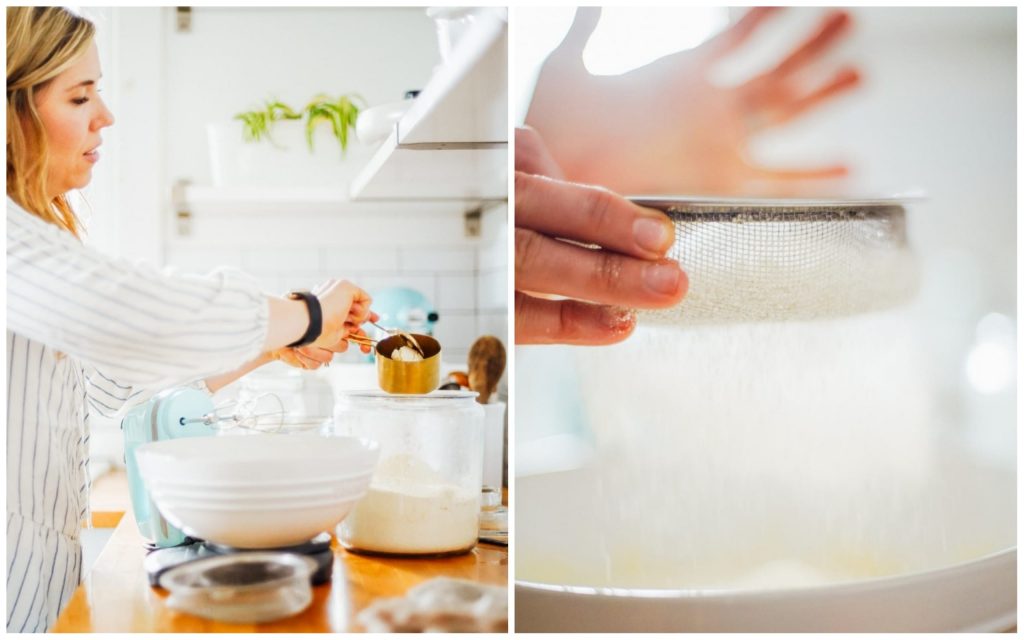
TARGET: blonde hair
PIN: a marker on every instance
(41, 43)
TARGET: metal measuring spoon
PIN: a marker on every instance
(408, 338)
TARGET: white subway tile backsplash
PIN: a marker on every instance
(494, 253)
(203, 260)
(494, 222)
(493, 257)
(437, 259)
(494, 324)
(492, 290)
(457, 357)
(456, 292)
(425, 284)
(456, 331)
(274, 285)
(281, 260)
(466, 283)
(342, 261)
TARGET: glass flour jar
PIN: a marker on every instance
(424, 498)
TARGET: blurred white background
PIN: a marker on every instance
(937, 111)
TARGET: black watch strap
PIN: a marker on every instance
(316, 318)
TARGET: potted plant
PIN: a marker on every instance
(341, 113)
(264, 147)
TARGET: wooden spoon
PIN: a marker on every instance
(486, 365)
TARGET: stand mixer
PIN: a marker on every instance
(185, 412)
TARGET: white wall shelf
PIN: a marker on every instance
(453, 141)
(208, 200)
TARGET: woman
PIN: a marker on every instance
(87, 333)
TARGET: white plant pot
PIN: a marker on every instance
(288, 163)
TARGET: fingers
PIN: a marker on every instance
(554, 267)
(579, 33)
(829, 172)
(532, 155)
(570, 322)
(591, 214)
(844, 80)
(315, 355)
(294, 358)
(833, 25)
(732, 37)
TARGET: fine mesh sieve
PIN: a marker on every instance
(774, 260)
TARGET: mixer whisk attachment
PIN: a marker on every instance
(253, 414)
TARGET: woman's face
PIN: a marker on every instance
(73, 115)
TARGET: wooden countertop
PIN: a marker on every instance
(108, 499)
(115, 595)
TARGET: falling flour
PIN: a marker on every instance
(755, 456)
(411, 509)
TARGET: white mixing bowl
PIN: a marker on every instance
(562, 560)
(164, 497)
(310, 489)
(976, 596)
(267, 459)
(256, 527)
(257, 491)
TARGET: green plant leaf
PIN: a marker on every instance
(341, 113)
(280, 111)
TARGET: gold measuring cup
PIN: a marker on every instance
(398, 376)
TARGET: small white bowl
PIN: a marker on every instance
(376, 123)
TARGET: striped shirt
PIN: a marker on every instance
(87, 333)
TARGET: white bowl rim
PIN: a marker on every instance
(301, 492)
(146, 449)
(162, 480)
(850, 587)
(258, 497)
(175, 506)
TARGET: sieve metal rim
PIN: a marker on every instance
(774, 210)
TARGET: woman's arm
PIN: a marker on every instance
(148, 328)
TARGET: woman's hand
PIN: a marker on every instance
(344, 308)
(308, 357)
(665, 128)
(628, 270)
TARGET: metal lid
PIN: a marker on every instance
(243, 587)
(238, 573)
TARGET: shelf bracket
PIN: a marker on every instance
(182, 212)
(472, 222)
(183, 19)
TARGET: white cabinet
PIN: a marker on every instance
(452, 144)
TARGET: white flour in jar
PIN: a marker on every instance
(412, 509)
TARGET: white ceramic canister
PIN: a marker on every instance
(424, 498)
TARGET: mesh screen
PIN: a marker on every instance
(750, 263)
